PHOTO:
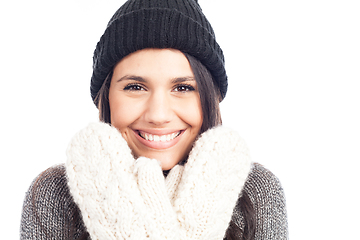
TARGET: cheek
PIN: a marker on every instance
(191, 113)
(122, 115)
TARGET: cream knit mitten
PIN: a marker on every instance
(100, 174)
(123, 198)
(202, 205)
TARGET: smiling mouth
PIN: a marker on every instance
(159, 138)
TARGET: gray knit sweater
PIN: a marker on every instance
(49, 211)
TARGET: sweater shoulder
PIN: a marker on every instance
(267, 198)
(51, 178)
(261, 179)
(49, 211)
(50, 186)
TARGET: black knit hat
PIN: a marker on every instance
(140, 24)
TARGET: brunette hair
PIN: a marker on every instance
(210, 97)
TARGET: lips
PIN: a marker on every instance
(158, 141)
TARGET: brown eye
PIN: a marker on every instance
(184, 88)
(134, 87)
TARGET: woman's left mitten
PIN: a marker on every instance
(157, 193)
(213, 178)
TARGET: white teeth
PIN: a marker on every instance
(157, 138)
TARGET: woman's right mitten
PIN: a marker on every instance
(100, 171)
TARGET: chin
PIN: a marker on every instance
(167, 162)
(165, 167)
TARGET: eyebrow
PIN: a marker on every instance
(182, 79)
(132, 77)
(141, 79)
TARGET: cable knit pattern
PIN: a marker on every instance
(101, 180)
(206, 196)
(162, 222)
(123, 198)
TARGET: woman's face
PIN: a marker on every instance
(155, 104)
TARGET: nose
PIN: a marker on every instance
(159, 110)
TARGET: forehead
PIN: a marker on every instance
(154, 63)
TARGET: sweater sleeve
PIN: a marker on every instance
(49, 211)
(267, 197)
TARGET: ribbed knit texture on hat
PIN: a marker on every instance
(140, 24)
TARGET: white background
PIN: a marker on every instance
(294, 74)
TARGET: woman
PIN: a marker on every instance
(158, 165)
